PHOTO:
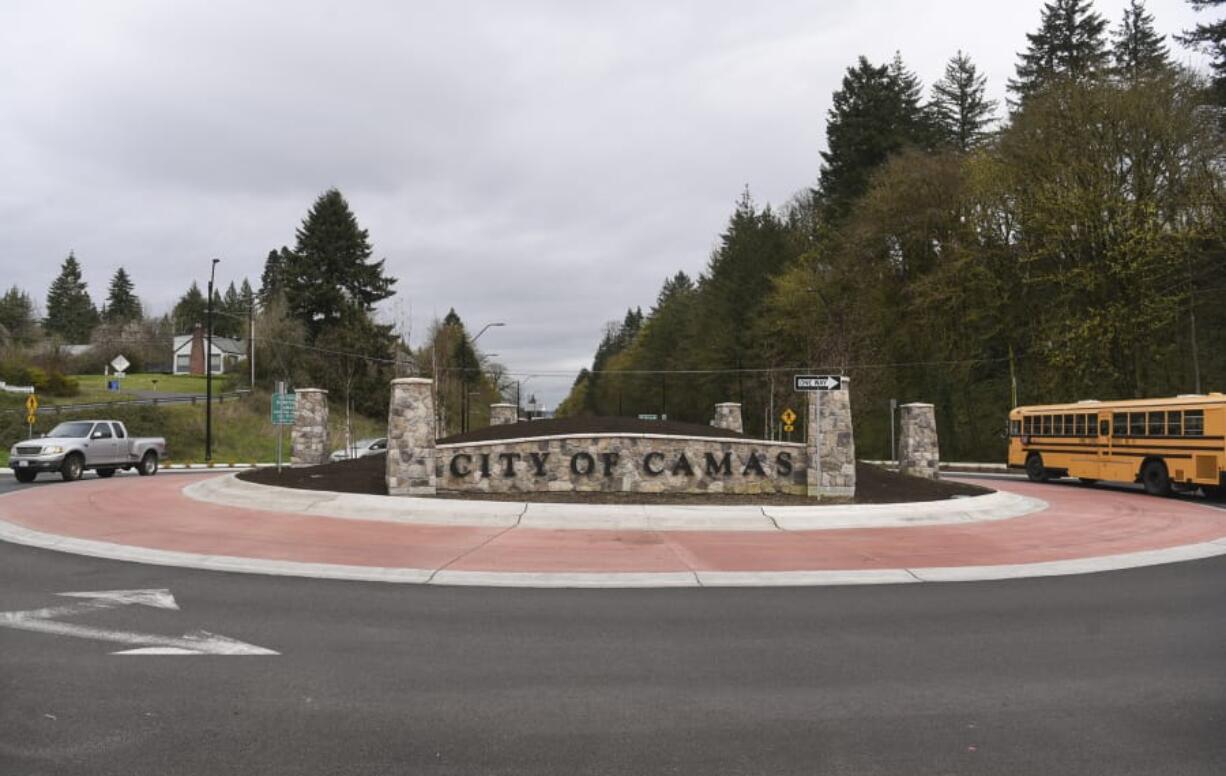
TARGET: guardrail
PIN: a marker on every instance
(57, 409)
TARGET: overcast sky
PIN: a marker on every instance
(545, 164)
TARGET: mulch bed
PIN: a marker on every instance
(874, 485)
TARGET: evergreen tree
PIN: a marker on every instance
(961, 112)
(1211, 39)
(122, 306)
(229, 314)
(1070, 43)
(17, 315)
(329, 267)
(71, 315)
(1138, 50)
(190, 310)
(271, 280)
(875, 114)
(247, 296)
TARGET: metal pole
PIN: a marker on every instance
(251, 342)
(893, 447)
(208, 374)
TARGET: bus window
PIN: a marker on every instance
(1057, 425)
(1015, 427)
(1157, 423)
(1079, 425)
(1068, 425)
(1046, 426)
(1136, 424)
(1194, 423)
(1174, 425)
(1104, 428)
(1119, 421)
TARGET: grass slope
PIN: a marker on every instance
(242, 430)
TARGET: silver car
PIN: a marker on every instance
(360, 449)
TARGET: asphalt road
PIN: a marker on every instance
(1119, 673)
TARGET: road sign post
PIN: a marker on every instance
(284, 409)
(31, 414)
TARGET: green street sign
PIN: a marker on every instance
(284, 407)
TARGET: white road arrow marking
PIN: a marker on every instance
(196, 643)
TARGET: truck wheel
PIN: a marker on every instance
(72, 467)
(1157, 482)
(24, 475)
(104, 473)
(1034, 468)
(148, 464)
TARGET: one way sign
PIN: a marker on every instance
(818, 382)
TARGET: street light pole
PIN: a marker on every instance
(464, 372)
(208, 374)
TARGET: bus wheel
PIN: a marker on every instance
(1157, 482)
(1034, 468)
(1088, 480)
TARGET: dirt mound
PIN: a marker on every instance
(589, 425)
(874, 485)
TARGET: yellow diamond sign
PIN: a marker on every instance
(31, 404)
(788, 417)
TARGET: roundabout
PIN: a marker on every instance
(218, 522)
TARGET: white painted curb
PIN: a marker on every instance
(233, 492)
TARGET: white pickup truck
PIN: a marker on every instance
(77, 445)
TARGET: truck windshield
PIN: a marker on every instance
(71, 430)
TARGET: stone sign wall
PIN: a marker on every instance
(822, 466)
(638, 463)
(919, 453)
(309, 435)
(411, 465)
(833, 446)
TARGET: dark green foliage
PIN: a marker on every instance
(122, 306)
(17, 322)
(353, 362)
(1138, 50)
(271, 280)
(1069, 44)
(960, 111)
(874, 114)
(190, 310)
(329, 269)
(71, 315)
(1210, 38)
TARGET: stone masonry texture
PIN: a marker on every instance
(503, 414)
(309, 436)
(410, 438)
(919, 453)
(629, 463)
(728, 415)
(831, 444)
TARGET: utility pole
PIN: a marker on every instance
(251, 342)
(208, 374)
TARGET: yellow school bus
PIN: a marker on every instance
(1164, 444)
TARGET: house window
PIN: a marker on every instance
(215, 364)
(183, 363)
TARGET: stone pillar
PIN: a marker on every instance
(309, 437)
(918, 451)
(410, 438)
(503, 414)
(728, 416)
(832, 447)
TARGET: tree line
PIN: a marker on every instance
(1065, 246)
